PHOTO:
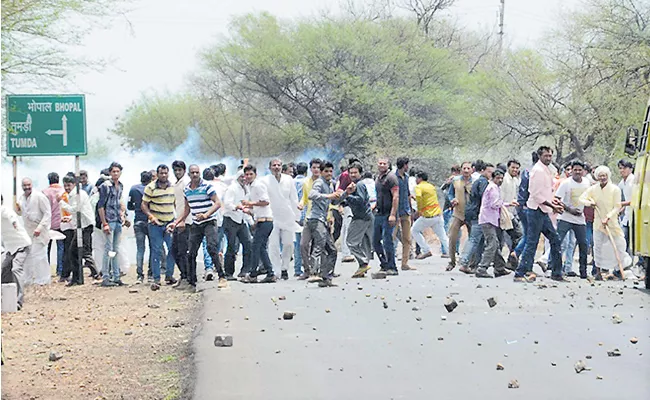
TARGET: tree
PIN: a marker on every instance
(350, 84)
(38, 34)
(591, 85)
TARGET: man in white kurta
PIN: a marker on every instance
(36, 211)
(283, 199)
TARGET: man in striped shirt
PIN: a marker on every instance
(158, 205)
(202, 201)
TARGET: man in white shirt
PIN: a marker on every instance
(69, 228)
(181, 237)
(509, 191)
(284, 205)
(17, 244)
(220, 185)
(36, 211)
(626, 169)
(573, 217)
(260, 204)
(234, 223)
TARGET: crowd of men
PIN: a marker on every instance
(297, 213)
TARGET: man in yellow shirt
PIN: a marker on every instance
(605, 197)
(430, 216)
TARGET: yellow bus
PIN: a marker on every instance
(637, 145)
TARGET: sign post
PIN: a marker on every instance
(48, 125)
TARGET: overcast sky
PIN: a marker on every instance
(160, 47)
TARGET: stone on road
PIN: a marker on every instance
(347, 356)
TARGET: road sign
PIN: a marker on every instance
(46, 125)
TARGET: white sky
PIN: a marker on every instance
(160, 49)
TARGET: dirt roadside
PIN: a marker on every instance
(115, 343)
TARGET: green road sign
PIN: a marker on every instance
(46, 125)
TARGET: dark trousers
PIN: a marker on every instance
(260, 248)
(141, 230)
(539, 223)
(71, 257)
(323, 253)
(197, 233)
(580, 231)
(236, 234)
(338, 223)
(180, 249)
(493, 237)
(383, 242)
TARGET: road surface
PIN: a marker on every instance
(415, 349)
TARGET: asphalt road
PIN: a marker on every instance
(361, 350)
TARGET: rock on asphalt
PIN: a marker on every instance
(361, 350)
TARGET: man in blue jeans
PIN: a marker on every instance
(474, 247)
(140, 224)
(260, 204)
(158, 203)
(541, 204)
(111, 216)
(387, 188)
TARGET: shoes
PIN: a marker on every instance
(170, 281)
(241, 274)
(271, 278)
(297, 274)
(223, 283)
(559, 278)
(209, 275)
(326, 283)
(361, 272)
(230, 278)
(392, 272)
(107, 284)
(150, 279)
(422, 256)
(63, 280)
(513, 262)
(284, 275)
(408, 268)
(450, 267)
(155, 286)
(571, 274)
(119, 283)
(72, 283)
(249, 279)
(444, 255)
(482, 273)
(466, 270)
(303, 277)
(139, 280)
(182, 285)
(501, 272)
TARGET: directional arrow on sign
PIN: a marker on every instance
(63, 132)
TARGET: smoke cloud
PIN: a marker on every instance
(133, 162)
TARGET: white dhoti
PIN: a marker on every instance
(36, 268)
(604, 254)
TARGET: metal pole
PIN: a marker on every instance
(502, 10)
(80, 242)
(15, 167)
